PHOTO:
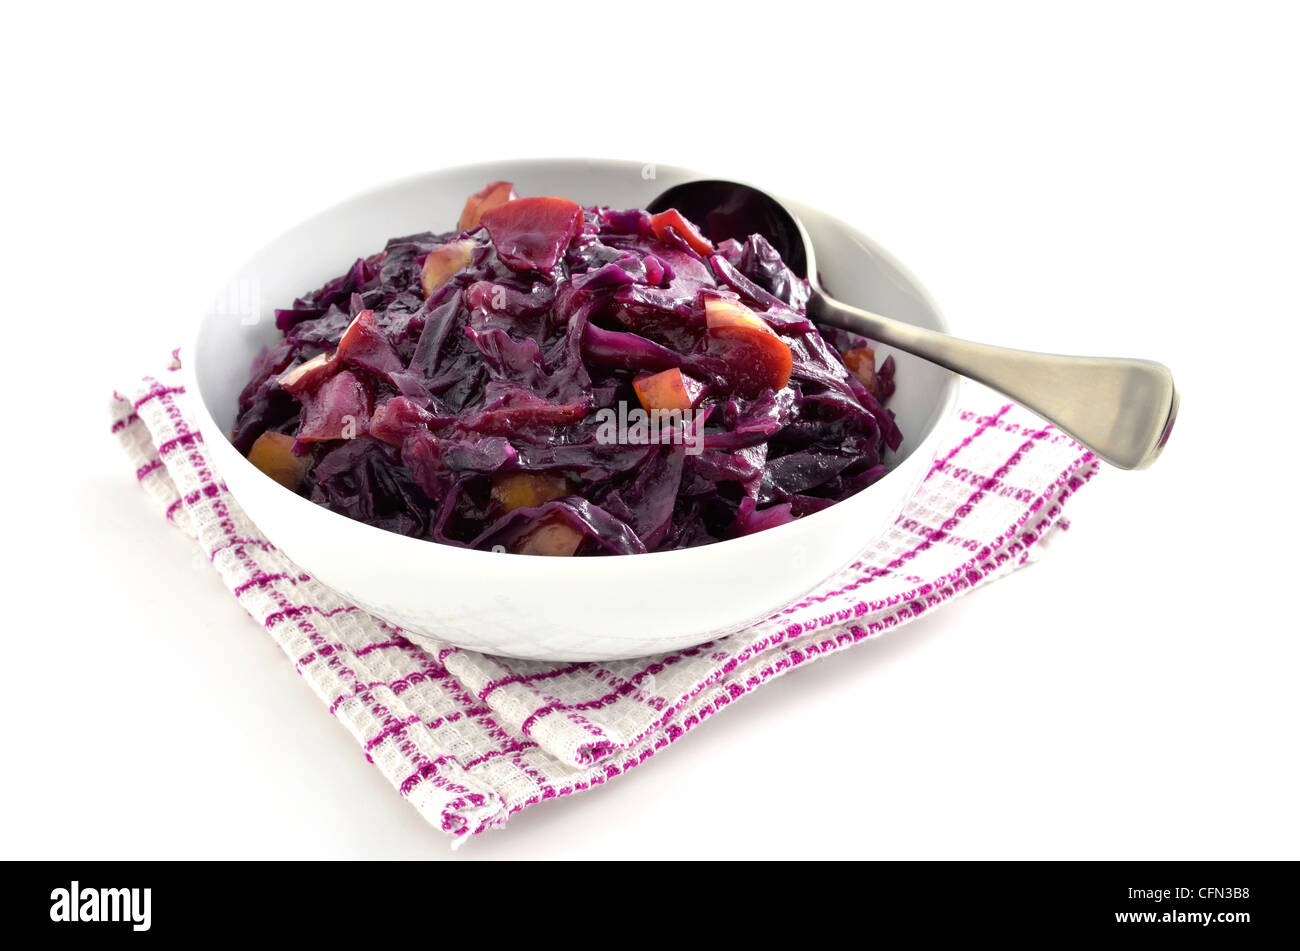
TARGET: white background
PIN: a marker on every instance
(1109, 178)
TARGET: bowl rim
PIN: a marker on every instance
(424, 548)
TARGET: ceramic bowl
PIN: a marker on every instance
(595, 608)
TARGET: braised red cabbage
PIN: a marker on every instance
(568, 381)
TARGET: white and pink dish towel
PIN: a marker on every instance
(469, 740)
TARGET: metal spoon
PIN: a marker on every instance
(1121, 409)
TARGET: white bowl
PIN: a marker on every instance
(597, 608)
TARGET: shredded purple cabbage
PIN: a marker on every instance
(481, 414)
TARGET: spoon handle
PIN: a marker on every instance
(1121, 409)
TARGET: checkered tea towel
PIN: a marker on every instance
(469, 740)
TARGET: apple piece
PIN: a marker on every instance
(492, 195)
(533, 233)
(516, 490)
(365, 345)
(273, 454)
(305, 377)
(726, 312)
(338, 409)
(861, 362)
(757, 359)
(550, 536)
(672, 218)
(669, 390)
(444, 262)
